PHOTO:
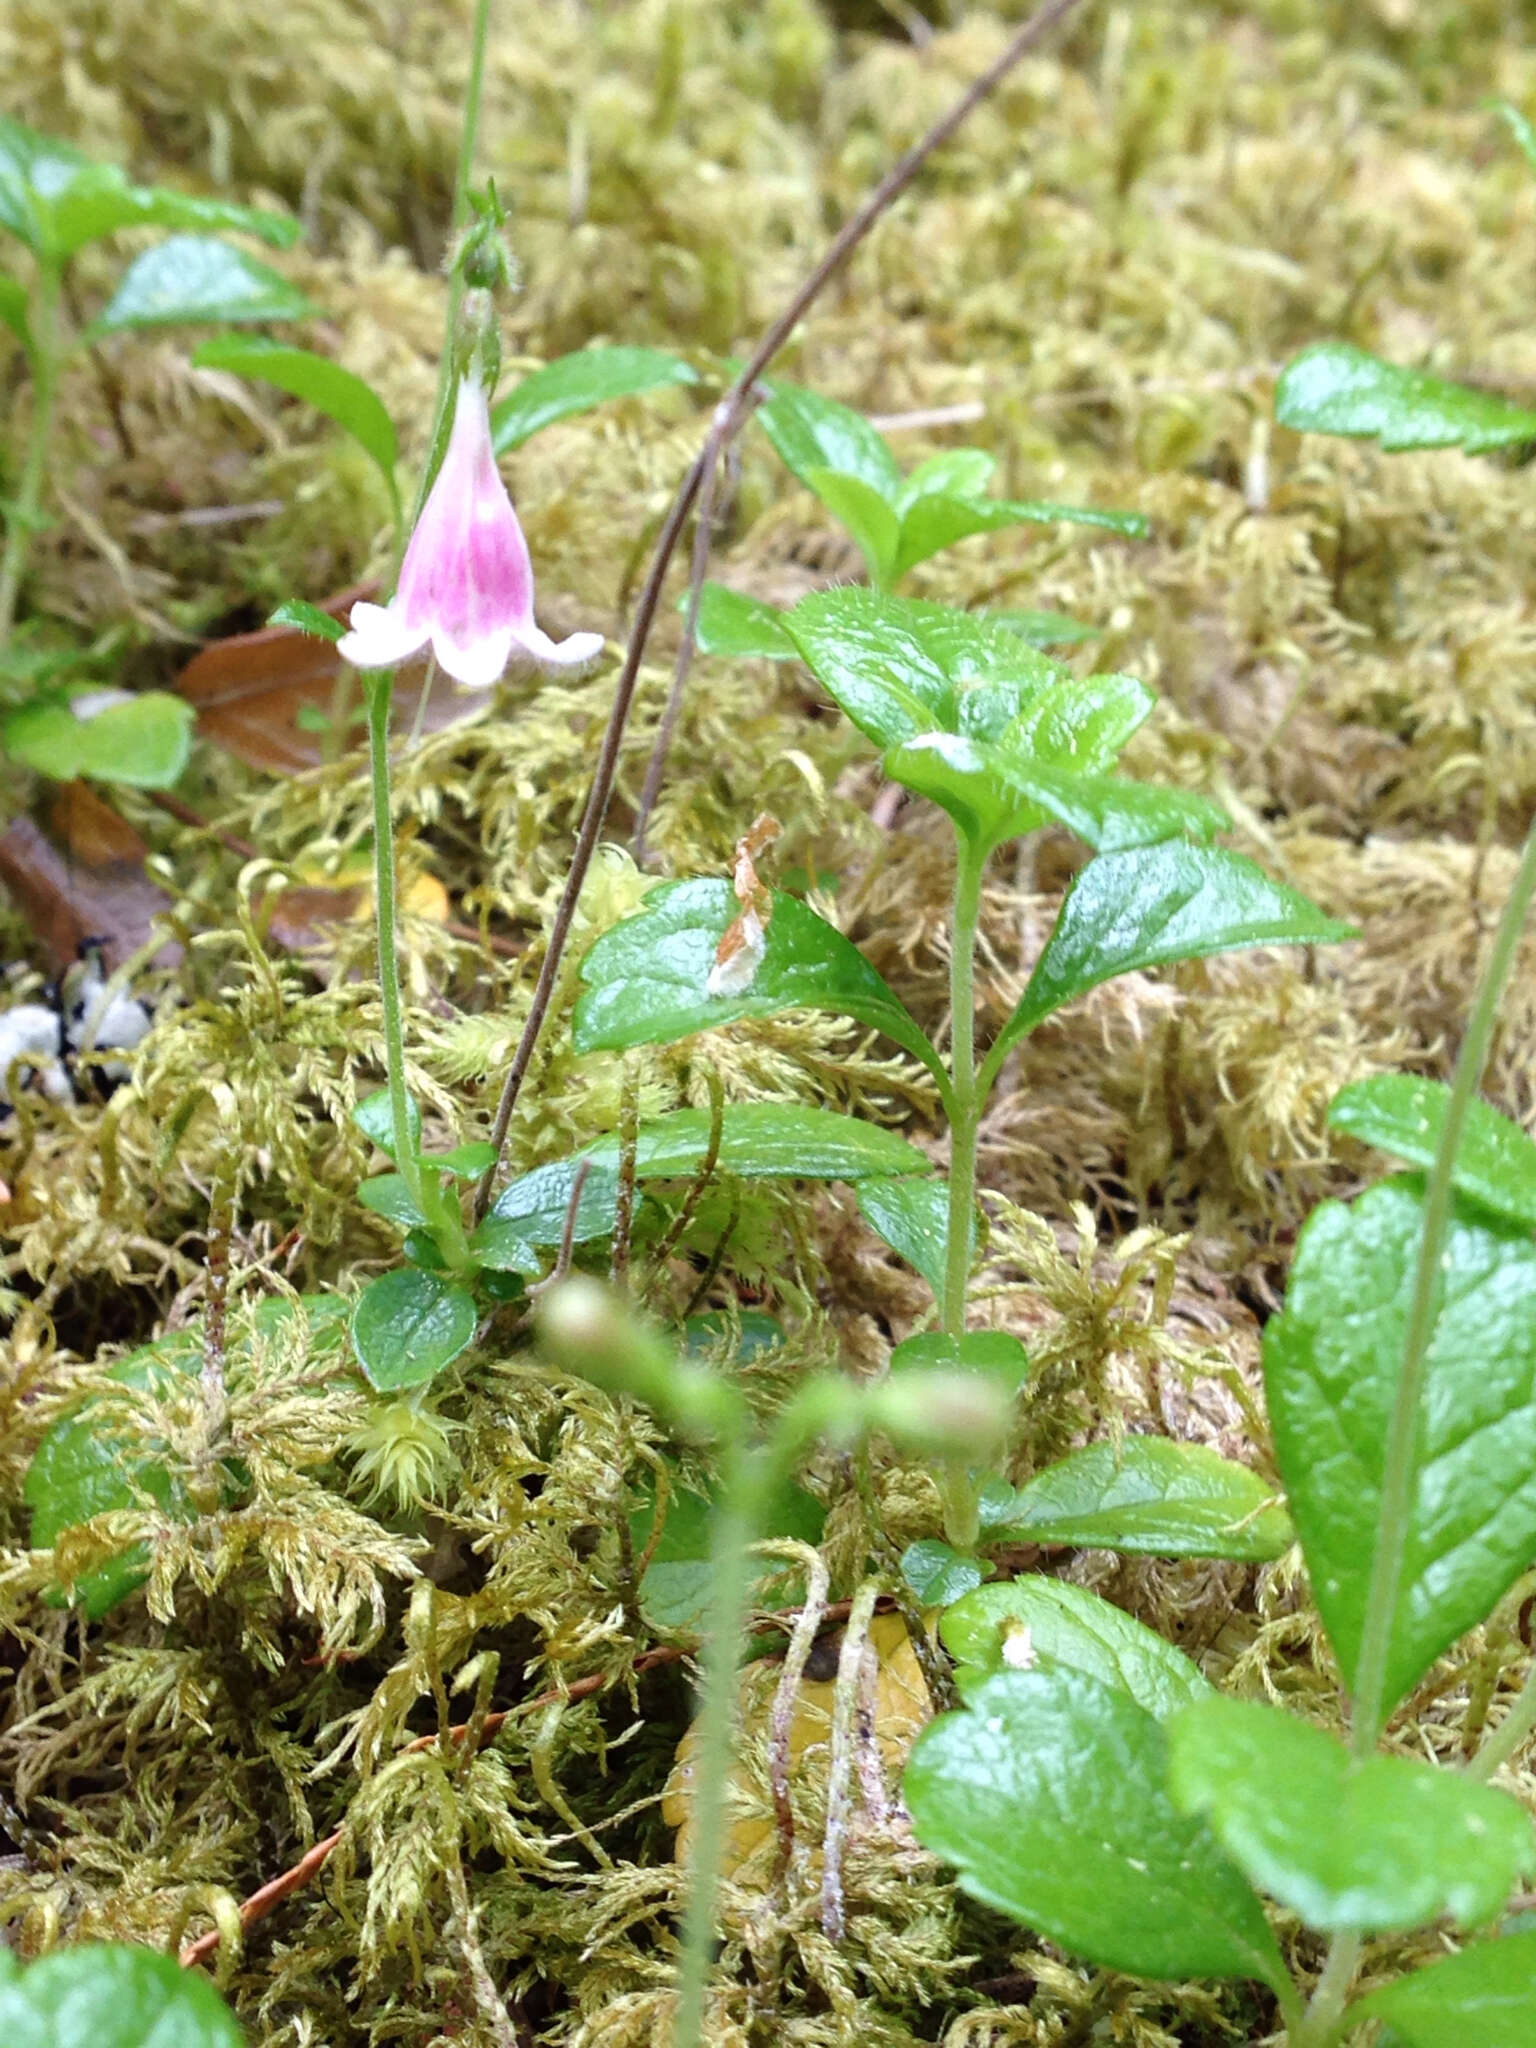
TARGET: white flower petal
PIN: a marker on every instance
(379, 638)
(570, 653)
(473, 664)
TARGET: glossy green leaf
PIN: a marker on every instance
(308, 618)
(1331, 1364)
(899, 667)
(939, 1574)
(937, 520)
(964, 472)
(1404, 1114)
(676, 1590)
(1147, 1494)
(814, 433)
(408, 1325)
(912, 1215)
(142, 741)
(576, 383)
(113, 1995)
(1033, 1622)
(1044, 629)
(1080, 723)
(759, 1141)
(194, 278)
(741, 627)
(14, 305)
(464, 1162)
(1155, 904)
(1374, 1847)
(865, 513)
(994, 1353)
(646, 979)
(1048, 1794)
(388, 1195)
(1335, 388)
(374, 1119)
(1485, 1997)
(339, 393)
(56, 200)
(994, 796)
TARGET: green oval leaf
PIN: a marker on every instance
(1145, 1495)
(308, 618)
(1404, 1114)
(899, 667)
(646, 979)
(194, 278)
(1039, 1623)
(1048, 1795)
(759, 1141)
(339, 393)
(864, 511)
(961, 472)
(1335, 388)
(577, 382)
(1486, 1995)
(113, 1995)
(812, 433)
(1375, 1846)
(676, 1590)
(936, 520)
(912, 1215)
(143, 741)
(740, 627)
(1331, 1363)
(939, 1574)
(375, 1119)
(408, 1325)
(1044, 629)
(1155, 904)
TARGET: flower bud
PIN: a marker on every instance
(943, 1414)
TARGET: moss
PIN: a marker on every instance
(1113, 261)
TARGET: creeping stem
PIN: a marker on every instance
(26, 509)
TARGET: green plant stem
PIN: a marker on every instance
(965, 1112)
(746, 1485)
(378, 687)
(469, 132)
(26, 509)
(1318, 2025)
(1510, 1733)
(1371, 1706)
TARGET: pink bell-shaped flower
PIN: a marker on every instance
(466, 584)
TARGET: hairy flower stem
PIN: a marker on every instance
(1371, 1705)
(378, 687)
(469, 132)
(25, 511)
(746, 1485)
(957, 1487)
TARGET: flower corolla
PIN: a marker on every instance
(466, 584)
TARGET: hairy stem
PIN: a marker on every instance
(965, 1111)
(746, 1482)
(1511, 1732)
(379, 688)
(26, 508)
(1371, 1704)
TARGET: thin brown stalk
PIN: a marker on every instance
(729, 415)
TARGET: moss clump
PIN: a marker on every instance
(1112, 262)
